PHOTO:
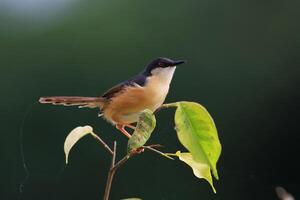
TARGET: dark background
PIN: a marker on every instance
(243, 66)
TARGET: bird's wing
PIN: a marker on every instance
(139, 80)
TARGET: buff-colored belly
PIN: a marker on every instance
(126, 106)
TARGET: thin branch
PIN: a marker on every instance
(157, 151)
(122, 161)
(102, 143)
(138, 151)
(113, 161)
(155, 145)
(114, 166)
(111, 173)
(165, 106)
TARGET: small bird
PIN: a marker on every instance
(122, 104)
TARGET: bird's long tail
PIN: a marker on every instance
(90, 102)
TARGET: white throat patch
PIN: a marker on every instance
(165, 75)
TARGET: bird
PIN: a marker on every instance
(122, 104)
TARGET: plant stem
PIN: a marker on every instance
(102, 143)
(165, 106)
(114, 166)
(157, 151)
(111, 173)
(122, 161)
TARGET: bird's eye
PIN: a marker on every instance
(160, 64)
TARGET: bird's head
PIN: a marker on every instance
(162, 66)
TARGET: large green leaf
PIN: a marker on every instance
(200, 170)
(197, 132)
(143, 130)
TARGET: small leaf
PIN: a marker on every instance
(197, 132)
(200, 170)
(73, 137)
(143, 130)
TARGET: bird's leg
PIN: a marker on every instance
(122, 129)
(130, 126)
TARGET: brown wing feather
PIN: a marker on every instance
(114, 90)
(138, 80)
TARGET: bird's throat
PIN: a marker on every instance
(164, 75)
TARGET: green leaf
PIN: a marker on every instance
(143, 130)
(197, 132)
(200, 170)
(73, 137)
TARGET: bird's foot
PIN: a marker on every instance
(138, 150)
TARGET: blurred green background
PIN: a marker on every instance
(243, 66)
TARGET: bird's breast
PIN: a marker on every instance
(157, 91)
(125, 107)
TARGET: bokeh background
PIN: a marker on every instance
(243, 66)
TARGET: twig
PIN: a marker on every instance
(122, 161)
(111, 173)
(102, 143)
(113, 168)
(165, 106)
(157, 151)
(155, 145)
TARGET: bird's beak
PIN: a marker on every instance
(178, 62)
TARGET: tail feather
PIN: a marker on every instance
(90, 102)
